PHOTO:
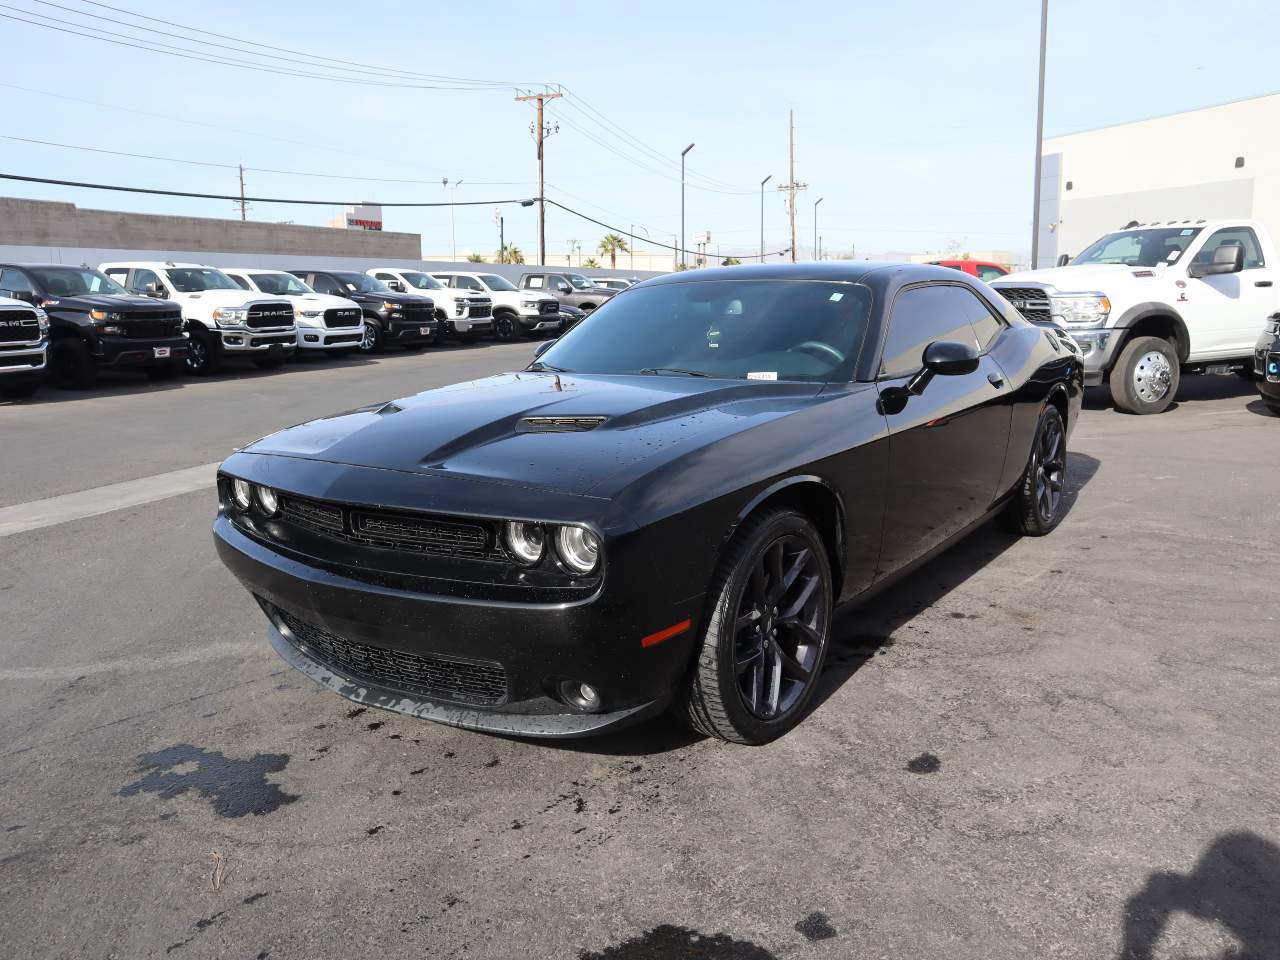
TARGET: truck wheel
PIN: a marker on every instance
(16, 389)
(73, 367)
(1036, 507)
(1146, 376)
(204, 355)
(371, 340)
(505, 327)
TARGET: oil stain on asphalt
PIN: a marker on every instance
(816, 926)
(236, 788)
(667, 942)
(925, 763)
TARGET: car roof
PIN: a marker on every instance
(156, 264)
(252, 270)
(45, 266)
(846, 271)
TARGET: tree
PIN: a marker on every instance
(591, 262)
(730, 262)
(611, 246)
(510, 253)
(474, 258)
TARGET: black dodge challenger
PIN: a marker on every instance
(663, 509)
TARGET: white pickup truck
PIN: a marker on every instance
(462, 313)
(219, 318)
(516, 312)
(325, 323)
(1153, 301)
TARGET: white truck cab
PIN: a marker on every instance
(324, 322)
(1153, 301)
(219, 318)
(515, 311)
(462, 313)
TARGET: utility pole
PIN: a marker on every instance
(243, 208)
(682, 234)
(1035, 212)
(502, 240)
(817, 254)
(540, 134)
(791, 187)
(762, 183)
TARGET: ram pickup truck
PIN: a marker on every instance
(390, 317)
(1154, 301)
(325, 324)
(568, 287)
(220, 319)
(463, 314)
(24, 348)
(515, 312)
(94, 323)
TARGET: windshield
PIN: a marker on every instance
(741, 329)
(72, 282)
(495, 282)
(422, 281)
(280, 284)
(196, 279)
(578, 280)
(361, 283)
(1140, 248)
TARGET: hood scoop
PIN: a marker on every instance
(566, 424)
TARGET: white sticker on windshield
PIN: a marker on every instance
(762, 375)
(1186, 233)
(837, 297)
(1173, 255)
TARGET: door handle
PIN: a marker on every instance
(995, 380)
(1262, 283)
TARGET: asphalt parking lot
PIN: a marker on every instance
(1062, 747)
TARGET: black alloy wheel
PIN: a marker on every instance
(505, 327)
(202, 354)
(1036, 507)
(767, 636)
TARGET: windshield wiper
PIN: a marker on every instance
(539, 367)
(686, 373)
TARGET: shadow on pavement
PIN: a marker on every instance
(1192, 389)
(1259, 406)
(1235, 883)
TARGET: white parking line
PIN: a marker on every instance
(35, 514)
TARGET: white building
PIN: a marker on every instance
(1221, 161)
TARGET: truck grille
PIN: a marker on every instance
(549, 308)
(270, 315)
(342, 317)
(480, 311)
(1031, 302)
(419, 314)
(479, 682)
(19, 326)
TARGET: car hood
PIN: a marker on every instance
(319, 301)
(480, 429)
(1071, 279)
(116, 302)
(224, 298)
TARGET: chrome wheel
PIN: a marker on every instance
(369, 338)
(1152, 376)
(780, 628)
(1051, 469)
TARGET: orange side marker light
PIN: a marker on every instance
(655, 638)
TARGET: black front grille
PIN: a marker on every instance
(393, 530)
(21, 360)
(418, 314)
(274, 338)
(342, 317)
(151, 329)
(479, 682)
(549, 308)
(19, 326)
(270, 315)
(481, 311)
(147, 316)
(1031, 302)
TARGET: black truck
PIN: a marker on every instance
(95, 323)
(403, 319)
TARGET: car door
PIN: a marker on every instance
(1230, 308)
(947, 444)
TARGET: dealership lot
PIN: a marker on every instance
(1008, 749)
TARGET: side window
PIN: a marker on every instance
(384, 276)
(15, 281)
(1234, 237)
(323, 283)
(986, 325)
(920, 316)
(142, 277)
(119, 274)
(987, 274)
(559, 283)
(241, 282)
(534, 282)
(467, 283)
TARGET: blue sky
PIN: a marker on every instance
(915, 121)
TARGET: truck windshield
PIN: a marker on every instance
(70, 282)
(361, 283)
(495, 282)
(280, 284)
(579, 281)
(422, 281)
(196, 279)
(1140, 248)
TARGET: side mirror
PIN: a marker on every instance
(543, 348)
(944, 358)
(563, 287)
(1064, 259)
(1228, 258)
(396, 285)
(154, 289)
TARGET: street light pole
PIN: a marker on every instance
(762, 183)
(682, 156)
(453, 238)
(815, 226)
(1035, 212)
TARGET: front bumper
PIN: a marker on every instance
(1097, 345)
(467, 325)
(19, 359)
(329, 338)
(252, 340)
(1266, 366)
(397, 330)
(133, 352)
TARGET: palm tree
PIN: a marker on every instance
(510, 253)
(591, 262)
(730, 262)
(611, 246)
(474, 258)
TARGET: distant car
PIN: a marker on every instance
(570, 317)
(612, 283)
(390, 317)
(23, 348)
(94, 323)
(982, 269)
(1266, 364)
(515, 311)
(464, 314)
(568, 287)
(325, 323)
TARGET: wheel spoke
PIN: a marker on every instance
(744, 663)
(746, 620)
(797, 567)
(811, 584)
(807, 632)
(759, 583)
(774, 691)
(791, 667)
(774, 560)
(757, 683)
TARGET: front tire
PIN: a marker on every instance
(1146, 376)
(73, 366)
(1036, 507)
(204, 354)
(767, 636)
(372, 339)
(505, 327)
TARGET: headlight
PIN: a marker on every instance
(43, 319)
(579, 548)
(529, 304)
(102, 316)
(267, 500)
(391, 307)
(241, 494)
(459, 307)
(1081, 309)
(526, 541)
(230, 316)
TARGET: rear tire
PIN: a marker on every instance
(767, 635)
(72, 364)
(1146, 376)
(1036, 507)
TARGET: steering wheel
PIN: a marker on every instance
(818, 348)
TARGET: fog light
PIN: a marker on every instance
(580, 696)
(241, 494)
(268, 501)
